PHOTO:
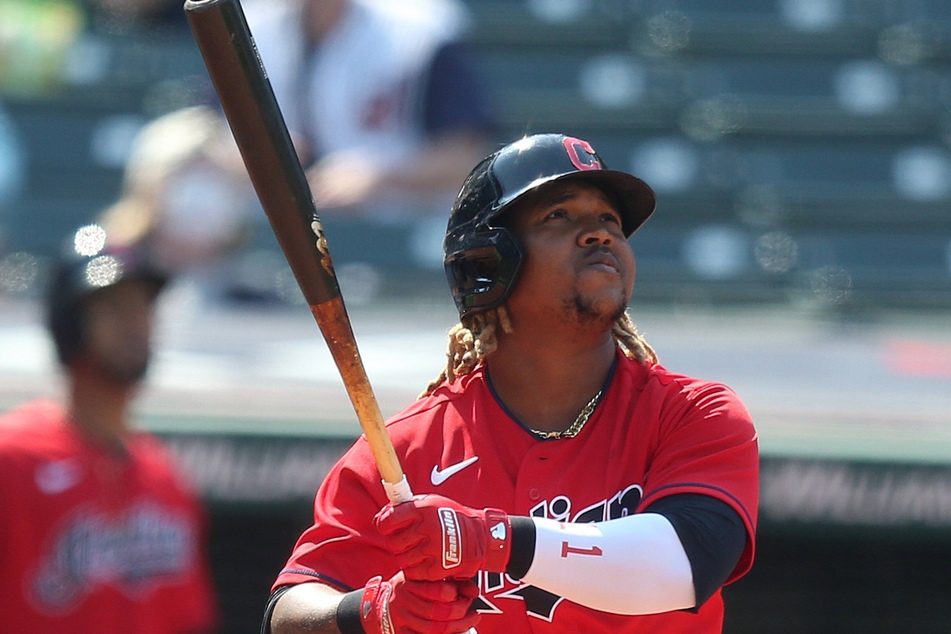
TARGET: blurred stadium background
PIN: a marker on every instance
(801, 151)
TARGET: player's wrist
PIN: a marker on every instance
(521, 547)
(362, 611)
(348, 613)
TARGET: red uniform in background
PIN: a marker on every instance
(96, 540)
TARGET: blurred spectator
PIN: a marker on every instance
(99, 533)
(186, 199)
(35, 38)
(380, 97)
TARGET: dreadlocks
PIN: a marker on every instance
(474, 338)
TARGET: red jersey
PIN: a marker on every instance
(94, 541)
(654, 434)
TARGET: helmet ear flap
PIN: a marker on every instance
(483, 270)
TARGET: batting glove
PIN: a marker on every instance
(433, 537)
(399, 606)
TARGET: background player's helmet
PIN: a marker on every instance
(482, 258)
(89, 266)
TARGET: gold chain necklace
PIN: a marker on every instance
(576, 426)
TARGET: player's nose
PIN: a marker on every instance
(595, 232)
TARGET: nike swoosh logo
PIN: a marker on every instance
(438, 476)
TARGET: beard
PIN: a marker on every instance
(587, 312)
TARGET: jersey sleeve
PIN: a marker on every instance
(342, 548)
(707, 444)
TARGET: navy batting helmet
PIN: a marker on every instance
(482, 259)
(82, 271)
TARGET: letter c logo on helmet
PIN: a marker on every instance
(571, 147)
(482, 259)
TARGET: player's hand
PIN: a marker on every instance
(399, 606)
(433, 537)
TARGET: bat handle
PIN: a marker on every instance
(398, 492)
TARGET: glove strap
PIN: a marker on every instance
(499, 548)
(375, 607)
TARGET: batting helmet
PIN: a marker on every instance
(482, 258)
(82, 272)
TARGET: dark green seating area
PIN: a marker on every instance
(819, 128)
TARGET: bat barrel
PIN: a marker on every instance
(259, 130)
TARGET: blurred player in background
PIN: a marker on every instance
(380, 98)
(565, 481)
(99, 533)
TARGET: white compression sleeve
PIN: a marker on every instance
(632, 565)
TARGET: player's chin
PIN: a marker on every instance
(601, 308)
(606, 279)
(607, 291)
(128, 368)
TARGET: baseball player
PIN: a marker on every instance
(98, 532)
(565, 481)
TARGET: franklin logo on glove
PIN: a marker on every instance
(450, 538)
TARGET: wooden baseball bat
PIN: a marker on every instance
(248, 101)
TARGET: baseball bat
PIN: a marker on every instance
(238, 75)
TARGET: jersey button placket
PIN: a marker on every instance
(532, 485)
